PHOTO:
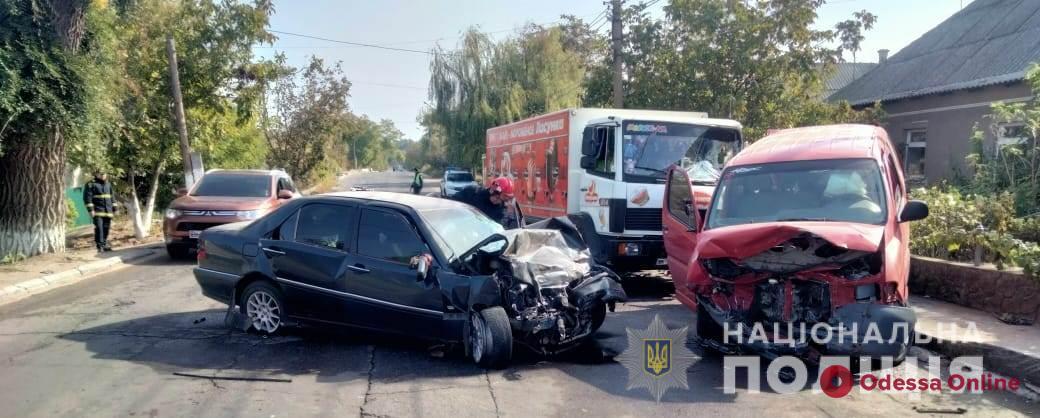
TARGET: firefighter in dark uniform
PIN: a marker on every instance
(97, 196)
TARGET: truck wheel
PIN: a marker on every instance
(707, 328)
(264, 307)
(491, 338)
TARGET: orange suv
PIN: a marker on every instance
(222, 197)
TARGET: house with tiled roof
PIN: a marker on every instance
(942, 84)
(843, 74)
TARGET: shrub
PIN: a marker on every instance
(959, 222)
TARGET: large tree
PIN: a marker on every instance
(214, 47)
(49, 82)
(305, 115)
(759, 62)
(483, 83)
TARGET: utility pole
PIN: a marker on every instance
(178, 112)
(615, 42)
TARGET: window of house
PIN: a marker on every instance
(388, 236)
(325, 225)
(916, 144)
(680, 200)
(605, 156)
(1012, 134)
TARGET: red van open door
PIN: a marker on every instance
(680, 220)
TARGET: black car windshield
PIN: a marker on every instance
(459, 227)
(233, 185)
(816, 190)
(649, 148)
(460, 177)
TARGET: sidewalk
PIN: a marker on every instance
(80, 260)
(1010, 350)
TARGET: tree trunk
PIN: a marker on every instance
(143, 218)
(152, 191)
(32, 199)
(140, 231)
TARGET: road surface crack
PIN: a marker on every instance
(491, 391)
(368, 389)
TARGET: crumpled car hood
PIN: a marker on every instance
(542, 256)
(743, 241)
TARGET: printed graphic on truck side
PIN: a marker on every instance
(534, 154)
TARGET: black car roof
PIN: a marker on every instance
(416, 202)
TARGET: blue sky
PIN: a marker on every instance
(392, 85)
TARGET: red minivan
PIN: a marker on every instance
(805, 238)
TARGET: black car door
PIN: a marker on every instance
(395, 299)
(309, 255)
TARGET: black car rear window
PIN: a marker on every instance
(388, 236)
(233, 185)
(325, 225)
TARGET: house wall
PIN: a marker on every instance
(948, 119)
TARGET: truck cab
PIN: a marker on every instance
(623, 168)
(605, 169)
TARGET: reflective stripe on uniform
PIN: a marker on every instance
(103, 215)
(102, 196)
(90, 205)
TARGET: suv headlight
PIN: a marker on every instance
(172, 213)
(250, 214)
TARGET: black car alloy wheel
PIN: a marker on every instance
(490, 338)
(264, 307)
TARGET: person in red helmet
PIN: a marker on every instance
(495, 201)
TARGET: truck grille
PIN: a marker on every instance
(643, 219)
(194, 226)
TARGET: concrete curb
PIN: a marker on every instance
(999, 359)
(47, 282)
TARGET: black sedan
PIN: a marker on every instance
(416, 265)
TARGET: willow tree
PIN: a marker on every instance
(484, 83)
(48, 86)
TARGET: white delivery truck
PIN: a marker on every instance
(606, 168)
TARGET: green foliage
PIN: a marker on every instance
(761, 63)
(70, 213)
(484, 84)
(1014, 168)
(48, 72)
(373, 145)
(958, 222)
(308, 118)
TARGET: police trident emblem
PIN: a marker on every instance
(657, 358)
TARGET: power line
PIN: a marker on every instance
(387, 48)
(397, 86)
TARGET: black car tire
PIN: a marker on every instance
(707, 328)
(264, 307)
(599, 314)
(177, 252)
(491, 338)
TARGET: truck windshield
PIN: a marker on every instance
(814, 190)
(649, 148)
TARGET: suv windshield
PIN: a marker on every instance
(233, 185)
(649, 148)
(460, 177)
(459, 227)
(818, 190)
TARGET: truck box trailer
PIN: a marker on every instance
(607, 168)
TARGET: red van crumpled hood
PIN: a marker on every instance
(742, 241)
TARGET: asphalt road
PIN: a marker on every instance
(109, 347)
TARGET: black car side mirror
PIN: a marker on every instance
(914, 210)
